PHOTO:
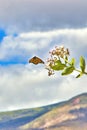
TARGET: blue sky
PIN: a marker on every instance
(2, 34)
(34, 27)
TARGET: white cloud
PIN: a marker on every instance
(39, 43)
(25, 86)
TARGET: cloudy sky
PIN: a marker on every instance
(34, 27)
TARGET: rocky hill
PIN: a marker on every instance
(71, 115)
(68, 115)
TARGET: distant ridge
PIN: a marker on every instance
(58, 116)
(68, 115)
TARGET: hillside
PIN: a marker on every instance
(68, 115)
(14, 119)
(72, 115)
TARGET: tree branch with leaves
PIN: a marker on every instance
(59, 61)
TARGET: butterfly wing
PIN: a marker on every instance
(36, 60)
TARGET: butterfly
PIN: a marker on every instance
(36, 60)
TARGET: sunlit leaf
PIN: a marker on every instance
(82, 63)
(68, 70)
(72, 62)
(58, 62)
(58, 65)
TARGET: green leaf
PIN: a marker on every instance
(58, 65)
(79, 75)
(66, 59)
(58, 62)
(72, 62)
(82, 63)
(68, 70)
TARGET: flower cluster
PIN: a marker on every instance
(60, 52)
(48, 67)
(56, 54)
